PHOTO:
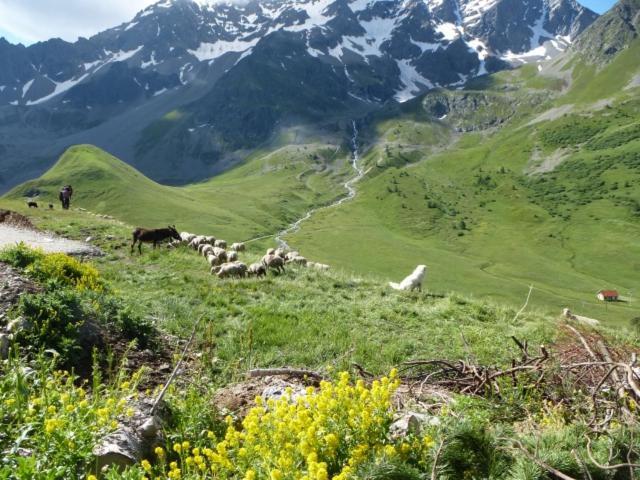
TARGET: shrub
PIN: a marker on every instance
(56, 317)
(61, 268)
(329, 433)
(56, 268)
(50, 424)
(21, 256)
(118, 316)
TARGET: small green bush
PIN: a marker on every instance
(55, 318)
(21, 256)
(56, 268)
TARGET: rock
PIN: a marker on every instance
(120, 449)
(18, 324)
(278, 389)
(409, 423)
(150, 428)
(4, 345)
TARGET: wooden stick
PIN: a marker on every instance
(584, 343)
(176, 368)
(540, 463)
(268, 372)
(434, 469)
(607, 467)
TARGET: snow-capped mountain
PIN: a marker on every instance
(235, 70)
(414, 44)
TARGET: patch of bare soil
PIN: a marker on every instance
(240, 397)
(15, 219)
(12, 286)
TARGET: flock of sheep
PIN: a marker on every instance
(225, 264)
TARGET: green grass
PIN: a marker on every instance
(568, 232)
(254, 199)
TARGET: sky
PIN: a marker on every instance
(29, 21)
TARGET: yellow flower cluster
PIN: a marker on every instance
(324, 434)
(69, 270)
(61, 420)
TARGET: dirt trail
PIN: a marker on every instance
(11, 235)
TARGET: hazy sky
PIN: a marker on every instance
(29, 21)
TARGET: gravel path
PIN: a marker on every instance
(10, 235)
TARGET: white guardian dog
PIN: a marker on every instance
(413, 281)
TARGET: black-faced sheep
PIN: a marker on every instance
(238, 247)
(271, 251)
(257, 269)
(274, 262)
(280, 252)
(210, 239)
(232, 256)
(220, 244)
(207, 249)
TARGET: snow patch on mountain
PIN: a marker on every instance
(211, 51)
(59, 87)
(26, 87)
(413, 82)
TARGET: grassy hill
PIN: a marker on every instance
(251, 200)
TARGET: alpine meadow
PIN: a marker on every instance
(211, 213)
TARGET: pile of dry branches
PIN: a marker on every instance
(585, 366)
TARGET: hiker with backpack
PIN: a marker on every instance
(65, 196)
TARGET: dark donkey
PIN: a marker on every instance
(153, 236)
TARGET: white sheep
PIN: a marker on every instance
(413, 281)
(238, 247)
(195, 242)
(232, 256)
(174, 244)
(210, 239)
(291, 255)
(215, 260)
(207, 249)
(271, 251)
(299, 260)
(317, 266)
(257, 269)
(280, 252)
(273, 261)
(220, 244)
(235, 269)
(187, 237)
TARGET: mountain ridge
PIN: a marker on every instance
(199, 60)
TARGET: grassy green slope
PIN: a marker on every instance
(487, 217)
(251, 200)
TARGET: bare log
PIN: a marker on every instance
(292, 372)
